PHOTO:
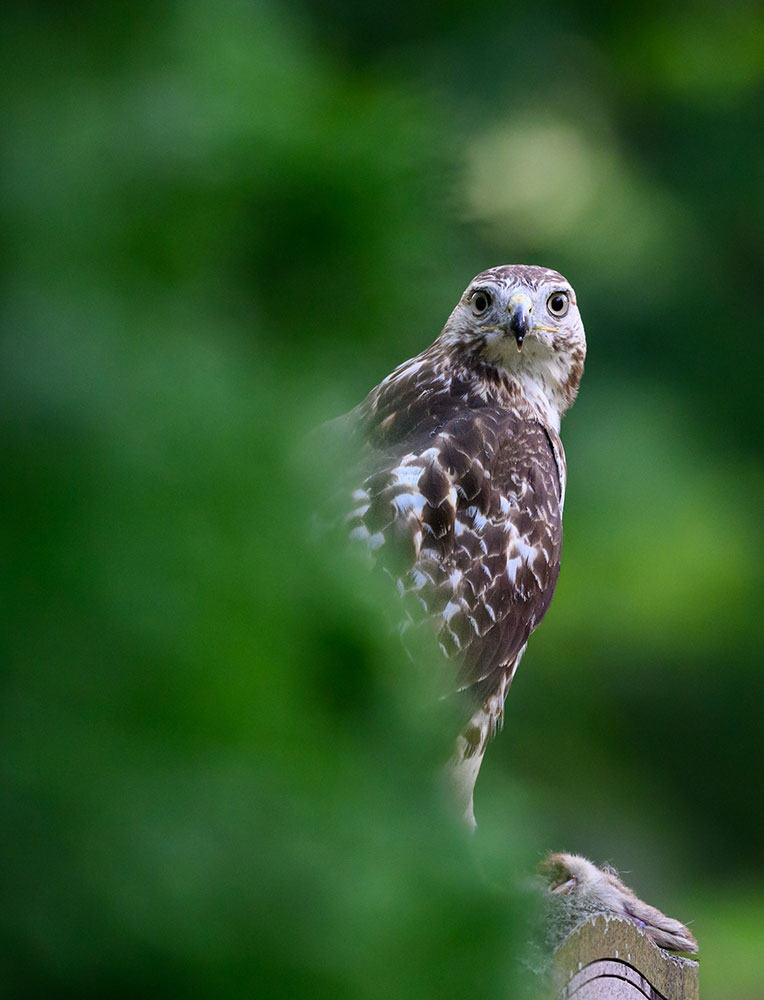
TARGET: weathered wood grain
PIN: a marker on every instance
(607, 958)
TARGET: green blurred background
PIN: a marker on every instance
(223, 223)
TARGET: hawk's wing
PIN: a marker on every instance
(464, 508)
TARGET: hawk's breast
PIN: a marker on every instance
(463, 505)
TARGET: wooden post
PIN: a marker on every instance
(607, 958)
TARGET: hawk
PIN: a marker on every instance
(462, 485)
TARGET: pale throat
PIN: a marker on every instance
(540, 377)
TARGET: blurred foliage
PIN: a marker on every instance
(224, 223)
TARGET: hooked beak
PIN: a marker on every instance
(519, 309)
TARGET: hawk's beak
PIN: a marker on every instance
(519, 309)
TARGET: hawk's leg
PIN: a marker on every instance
(472, 741)
(462, 769)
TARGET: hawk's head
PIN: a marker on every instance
(525, 322)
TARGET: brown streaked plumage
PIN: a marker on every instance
(463, 482)
(584, 889)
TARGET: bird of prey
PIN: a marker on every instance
(462, 485)
(583, 889)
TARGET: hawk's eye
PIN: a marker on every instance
(481, 301)
(558, 303)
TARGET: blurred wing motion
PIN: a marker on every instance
(462, 491)
(583, 889)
